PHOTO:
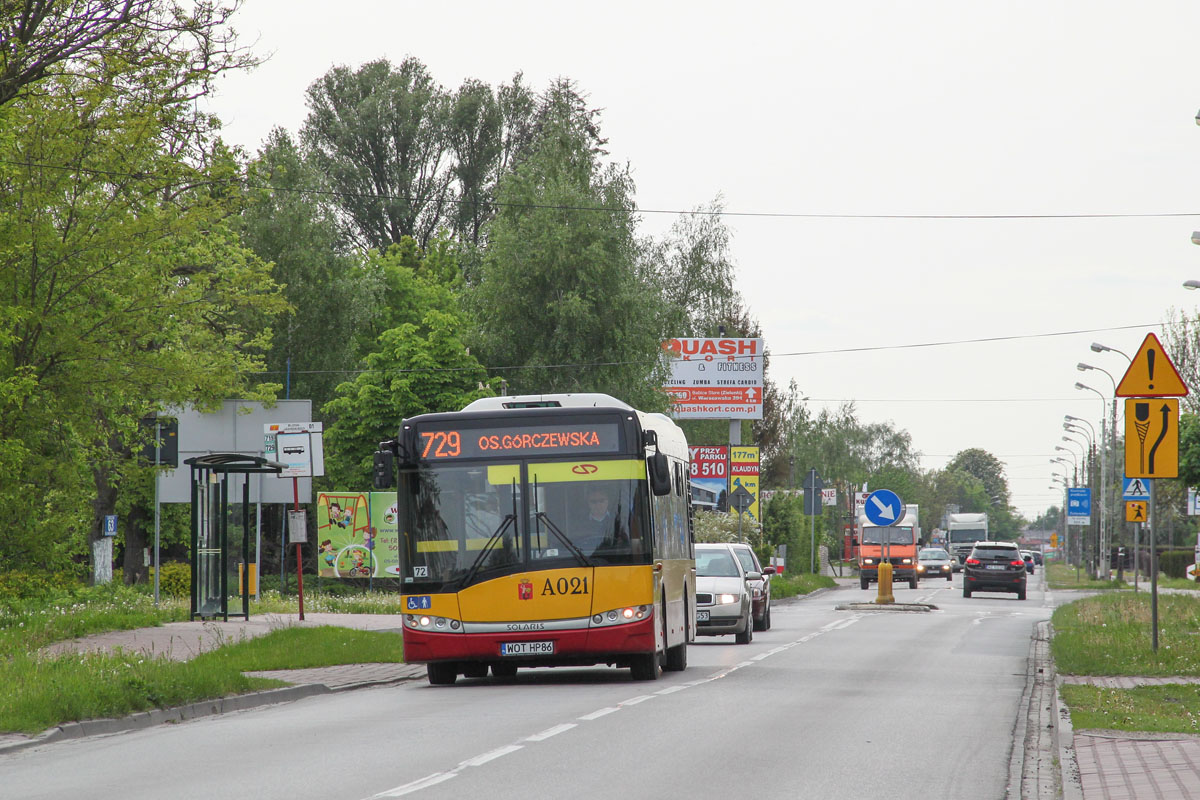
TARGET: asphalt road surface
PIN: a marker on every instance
(830, 703)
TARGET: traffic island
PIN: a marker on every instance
(886, 607)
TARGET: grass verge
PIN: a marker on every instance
(801, 583)
(1110, 634)
(1062, 576)
(1168, 709)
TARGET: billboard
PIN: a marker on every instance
(357, 535)
(743, 472)
(715, 378)
(710, 476)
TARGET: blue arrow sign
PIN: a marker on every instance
(883, 507)
(1137, 488)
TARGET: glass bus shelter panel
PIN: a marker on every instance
(209, 566)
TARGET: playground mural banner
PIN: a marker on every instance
(357, 535)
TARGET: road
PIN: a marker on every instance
(828, 703)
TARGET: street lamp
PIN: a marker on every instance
(1105, 525)
(1074, 462)
(1193, 284)
(1100, 348)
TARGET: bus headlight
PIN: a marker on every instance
(621, 616)
(427, 622)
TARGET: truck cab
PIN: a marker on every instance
(897, 544)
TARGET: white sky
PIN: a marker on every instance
(1023, 107)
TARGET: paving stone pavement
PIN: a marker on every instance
(1121, 765)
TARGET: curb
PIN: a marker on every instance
(159, 716)
(1064, 736)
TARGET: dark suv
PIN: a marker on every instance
(994, 567)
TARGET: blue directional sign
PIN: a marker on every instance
(1137, 488)
(883, 507)
(1079, 506)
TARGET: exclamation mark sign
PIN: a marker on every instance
(1150, 366)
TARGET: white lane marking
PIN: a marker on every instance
(546, 734)
(761, 656)
(598, 714)
(490, 756)
(673, 689)
(414, 786)
(633, 701)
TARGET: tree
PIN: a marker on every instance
(125, 288)
(559, 301)
(412, 372)
(329, 290)
(378, 135)
(72, 38)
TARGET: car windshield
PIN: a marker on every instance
(715, 564)
(746, 556)
(931, 554)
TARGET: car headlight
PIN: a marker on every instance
(758, 592)
(726, 599)
(920, 567)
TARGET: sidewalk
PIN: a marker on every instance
(1123, 765)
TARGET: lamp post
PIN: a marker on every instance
(1114, 523)
(1098, 485)
(1102, 544)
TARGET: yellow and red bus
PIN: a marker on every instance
(508, 558)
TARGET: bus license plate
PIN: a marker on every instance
(526, 648)
(702, 616)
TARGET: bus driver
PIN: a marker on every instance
(599, 529)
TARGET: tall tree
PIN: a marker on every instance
(559, 294)
(378, 134)
(328, 288)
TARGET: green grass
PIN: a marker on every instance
(44, 691)
(790, 585)
(1169, 709)
(1110, 634)
(1063, 576)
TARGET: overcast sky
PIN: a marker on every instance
(816, 122)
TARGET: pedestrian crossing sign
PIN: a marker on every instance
(1137, 489)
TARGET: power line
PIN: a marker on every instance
(247, 184)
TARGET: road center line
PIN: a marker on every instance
(546, 734)
(491, 756)
(598, 714)
(633, 701)
(417, 785)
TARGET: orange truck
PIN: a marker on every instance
(898, 544)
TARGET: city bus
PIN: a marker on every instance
(543, 530)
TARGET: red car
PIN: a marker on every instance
(760, 590)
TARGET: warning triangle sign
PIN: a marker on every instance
(1151, 373)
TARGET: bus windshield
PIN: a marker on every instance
(887, 535)
(461, 523)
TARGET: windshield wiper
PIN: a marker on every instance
(509, 519)
(562, 537)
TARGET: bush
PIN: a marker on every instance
(175, 579)
(1173, 563)
(17, 585)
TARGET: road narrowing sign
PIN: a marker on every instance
(1152, 437)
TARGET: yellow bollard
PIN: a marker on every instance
(885, 584)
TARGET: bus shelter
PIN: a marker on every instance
(210, 530)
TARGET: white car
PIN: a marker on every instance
(723, 599)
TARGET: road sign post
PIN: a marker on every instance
(812, 506)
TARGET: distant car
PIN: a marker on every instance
(1037, 557)
(760, 590)
(1027, 555)
(934, 562)
(994, 567)
(723, 595)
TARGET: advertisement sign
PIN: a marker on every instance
(743, 472)
(356, 535)
(715, 378)
(710, 476)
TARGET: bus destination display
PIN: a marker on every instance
(441, 443)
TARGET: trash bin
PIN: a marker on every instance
(253, 590)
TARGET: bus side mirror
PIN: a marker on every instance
(660, 474)
(383, 470)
